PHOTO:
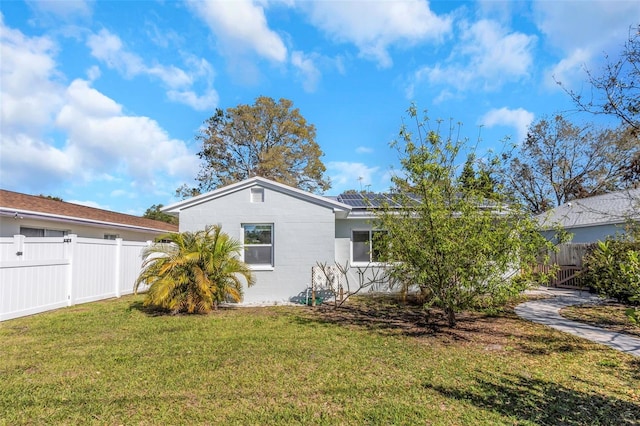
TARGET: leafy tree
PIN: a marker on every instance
(154, 212)
(193, 272)
(267, 139)
(452, 243)
(560, 161)
(480, 180)
(185, 191)
(617, 90)
(50, 197)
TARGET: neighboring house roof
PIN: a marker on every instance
(612, 208)
(338, 207)
(12, 203)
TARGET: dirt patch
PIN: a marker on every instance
(501, 331)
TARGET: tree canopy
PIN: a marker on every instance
(269, 139)
(560, 161)
(51, 197)
(616, 91)
(154, 212)
(443, 234)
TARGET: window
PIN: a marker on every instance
(366, 246)
(39, 232)
(258, 244)
(111, 236)
(257, 195)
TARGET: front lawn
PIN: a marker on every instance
(609, 315)
(377, 362)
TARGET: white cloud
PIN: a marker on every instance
(307, 69)
(202, 102)
(487, 56)
(30, 92)
(93, 73)
(241, 25)
(375, 26)
(570, 25)
(364, 150)
(121, 193)
(567, 68)
(519, 119)
(63, 9)
(345, 175)
(583, 31)
(88, 204)
(32, 163)
(108, 48)
(102, 139)
(99, 141)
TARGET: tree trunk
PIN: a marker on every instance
(451, 316)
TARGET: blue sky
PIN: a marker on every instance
(100, 101)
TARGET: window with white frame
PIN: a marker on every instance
(366, 246)
(111, 236)
(258, 244)
(40, 232)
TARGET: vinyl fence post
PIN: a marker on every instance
(18, 247)
(118, 265)
(70, 242)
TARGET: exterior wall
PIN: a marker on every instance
(10, 227)
(344, 228)
(591, 234)
(303, 234)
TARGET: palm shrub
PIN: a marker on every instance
(193, 271)
(612, 268)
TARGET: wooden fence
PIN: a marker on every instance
(569, 254)
(41, 274)
(567, 263)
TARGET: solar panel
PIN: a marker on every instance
(364, 200)
(351, 196)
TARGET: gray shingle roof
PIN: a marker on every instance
(615, 207)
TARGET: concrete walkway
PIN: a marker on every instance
(547, 312)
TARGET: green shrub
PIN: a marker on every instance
(612, 268)
(634, 313)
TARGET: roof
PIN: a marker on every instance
(45, 208)
(366, 200)
(611, 208)
(336, 205)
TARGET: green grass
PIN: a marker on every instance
(112, 362)
(608, 315)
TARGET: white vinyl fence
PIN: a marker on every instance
(40, 274)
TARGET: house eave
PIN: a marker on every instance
(337, 207)
(13, 212)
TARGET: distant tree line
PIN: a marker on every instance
(560, 160)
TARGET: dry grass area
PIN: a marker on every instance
(610, 316)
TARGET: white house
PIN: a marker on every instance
(285, 231)
(34, 216)
(594, 218)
